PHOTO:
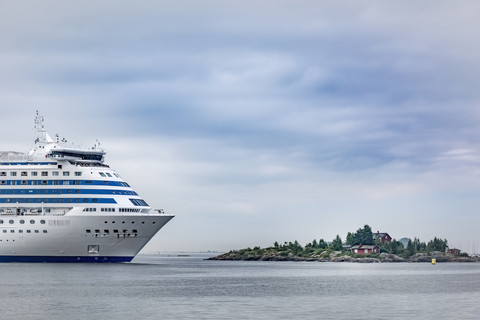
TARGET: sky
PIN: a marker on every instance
(261, 121)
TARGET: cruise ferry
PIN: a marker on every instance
(64, 204)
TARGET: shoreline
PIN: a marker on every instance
(338, 256)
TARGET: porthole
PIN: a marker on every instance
(10, 221)
(42, 221)
(22, 221)
(106, 221)
(133, 222)
(1, 221)
(123, 221)
(32, 221)
(153, 222)
(143, 222)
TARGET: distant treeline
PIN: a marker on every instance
(363, 236)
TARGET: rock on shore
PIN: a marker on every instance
(337, 256)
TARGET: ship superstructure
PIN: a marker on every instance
(64, 204)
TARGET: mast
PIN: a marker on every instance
(41, 135)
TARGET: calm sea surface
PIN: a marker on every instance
(171, 287)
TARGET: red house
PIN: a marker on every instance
(383, 237)
(364, 249)
(455, 252)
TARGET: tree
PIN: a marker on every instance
(410, 249)
(322, 244)
(437, 245)
(336, 243)
(350, 240)
(363, 236)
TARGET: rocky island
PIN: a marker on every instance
(363, 246)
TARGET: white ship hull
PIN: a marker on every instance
(92, 238)
(60, 204)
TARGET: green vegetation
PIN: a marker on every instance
(321, 249)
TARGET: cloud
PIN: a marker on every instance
(272, 118)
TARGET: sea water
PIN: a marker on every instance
(189, 287)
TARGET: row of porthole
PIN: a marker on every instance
(22, 221)
(123, 222)
(27, 231)
(106, 231)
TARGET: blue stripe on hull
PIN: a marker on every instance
(63, 259)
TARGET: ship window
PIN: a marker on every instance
(12, 231)
(4, 231)
(32, 221)
(44, 173)
(124, 230)
(44, 182)
(24, 182)
(3, 182)
(97, 231)
(115, 231)
(29, 231)
(44, 231)
(102, 174)
(36, 231)
(1, 221)
(34, 173)
(13, 174)
(20, 231)
(10, 221)
(24, 173)
(106, 231)
(88, 231)
(42, 221)
(22, 221)
(76, 182)
(55, 173)
(3, 173)
(66, 173)
(134, 231)
(108, 174)
(88, 182)
(78, 173)
(13, 182)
